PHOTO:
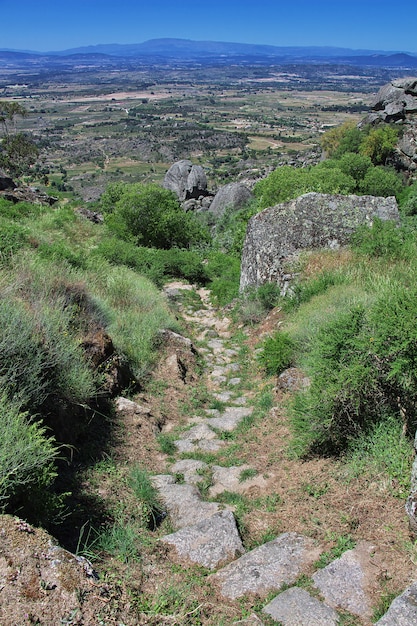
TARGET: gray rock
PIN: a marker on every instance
(314, 220)
(296, 607)
(403, 610)
(230, 418)
(186, 180)
(268, 567)
(343, 583)
(183, 502)
(190, 469)
(6, 183)
(229, 479)
(210, 543)
(233, 196)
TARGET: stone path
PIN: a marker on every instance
(205, 532)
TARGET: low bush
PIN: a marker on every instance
(362, 365)
(27, 454)
(277, 353)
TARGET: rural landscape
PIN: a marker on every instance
(207, 336)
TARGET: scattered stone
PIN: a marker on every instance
(230, 418)
(343, 583)
(229, 479)
(268, 567)
(183, 502)
(292, 379)
(233, 382)
(296, 607)
(209, 543)
(224, 396)
(403, 610)
(124, 405)
(191, 470)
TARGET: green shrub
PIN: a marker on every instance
(40, 359)
(27, 454)
(363, 368)
(223, 271)
(383, 239)
(380, 181)
(151, 216)
(379, 143)
(304, 291)
(277, 353)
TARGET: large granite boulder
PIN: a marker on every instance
(233, 196)
(186, 180)
(314, 220)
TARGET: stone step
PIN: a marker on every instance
(183, 502)
(296, 607)
(268, 567)
(403, 610)
(346, 582)
(210, 543)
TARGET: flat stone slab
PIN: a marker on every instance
(403, 610)
(268, 567)
(190, 469)
(343, 583)
(296, 607)
(229, 479)
(234, 381)
(198, 432)
(183, 502)
(230, 418)
(210, 543)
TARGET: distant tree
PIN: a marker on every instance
(18, 151)
(333, 138)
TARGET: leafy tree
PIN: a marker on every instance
(18, 151)
(355, 165)
(331, 140)
(379, 143)
(380, 181)
(150, 216)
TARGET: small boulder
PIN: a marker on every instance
(233, 196)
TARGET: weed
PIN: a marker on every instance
(277, 353)
(166, 443)
(147, 494)
(247, 473)
(383, 604)
(343, 543)
(315, 490)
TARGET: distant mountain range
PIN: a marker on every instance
(204, 51)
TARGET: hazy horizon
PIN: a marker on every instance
(53, 25)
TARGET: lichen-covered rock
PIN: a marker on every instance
(233, 196)
(186, 180)
(314, 220)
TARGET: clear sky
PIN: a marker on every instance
(43, 25)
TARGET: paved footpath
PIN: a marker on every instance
(205, 530)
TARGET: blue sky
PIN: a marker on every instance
(57, 25)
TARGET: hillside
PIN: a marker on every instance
(204, 454)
